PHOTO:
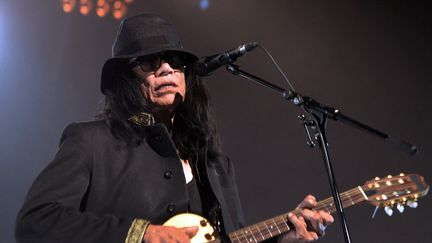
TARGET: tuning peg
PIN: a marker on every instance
(400, 208)
(412, 204)
(388, 210)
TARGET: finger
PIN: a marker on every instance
(300, 228)
(314, 235)
(191, 231)
(327, 218)
(301, 219)
(311, 216)
(180, 235)
(308, 202)
(315, 221)
(298, 223)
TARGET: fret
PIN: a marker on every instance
(244, 234)
(348, 199)
(345, 200)
(250, 234)
(276, 225)
(259, 231)
(234, 234)
(287, 227)
(271, 235)
(352, 202)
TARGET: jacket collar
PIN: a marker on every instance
(142, 119)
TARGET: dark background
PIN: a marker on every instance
(371, 59)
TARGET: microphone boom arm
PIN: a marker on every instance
(312, 105)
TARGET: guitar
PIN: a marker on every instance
(385, 192)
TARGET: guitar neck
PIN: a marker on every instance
(278, 225)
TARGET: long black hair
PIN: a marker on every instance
(193, 128)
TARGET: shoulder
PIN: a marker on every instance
(87, 130)
(88, 126)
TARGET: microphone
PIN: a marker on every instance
(206, 65)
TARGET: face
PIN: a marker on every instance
(163, 80)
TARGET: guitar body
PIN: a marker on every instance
(205, 233)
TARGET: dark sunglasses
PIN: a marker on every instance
(151, 63)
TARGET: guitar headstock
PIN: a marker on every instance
(396, 191)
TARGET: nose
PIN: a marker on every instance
(164, 69)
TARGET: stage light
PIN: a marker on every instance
(85, 6)
(68, 5)
(204, 4)
(102, 8)
(119, 9)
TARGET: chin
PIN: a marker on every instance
(167, 104)
(168, 101)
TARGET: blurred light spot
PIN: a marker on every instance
(85, 6)
(68, 5)
(204, 4)
(119, 9)
(102, 8)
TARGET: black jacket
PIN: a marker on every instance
(97, 185)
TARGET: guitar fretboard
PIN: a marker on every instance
(278, 225)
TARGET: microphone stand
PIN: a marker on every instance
(320, 114)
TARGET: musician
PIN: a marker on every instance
(152, 154)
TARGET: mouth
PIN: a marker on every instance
(165, 85)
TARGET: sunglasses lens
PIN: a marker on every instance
(152, 63)
(149, 63)
(175, 61)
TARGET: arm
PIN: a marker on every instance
(54, 209)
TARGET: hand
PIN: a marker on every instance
(310, 225)
(169, 234)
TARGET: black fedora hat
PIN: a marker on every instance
(141, 35)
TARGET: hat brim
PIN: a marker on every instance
(113, 66)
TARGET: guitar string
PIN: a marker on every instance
(281, 219)
(394, 182)
(261, 234)
(348, 198)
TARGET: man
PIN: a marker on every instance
(153, 153)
